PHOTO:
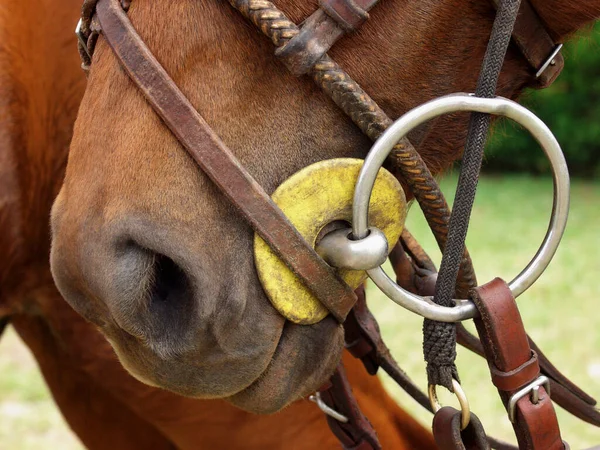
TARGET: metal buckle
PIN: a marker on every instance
(81, 37)
(534, 389)
(316, 398)
(551, 61)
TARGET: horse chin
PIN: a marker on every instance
(304, 359)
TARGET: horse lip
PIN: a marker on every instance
(282, 382)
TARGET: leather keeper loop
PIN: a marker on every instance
(347, 13)
(317, 35)
(517, 378)
(359, 348)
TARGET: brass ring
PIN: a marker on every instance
(465, 410)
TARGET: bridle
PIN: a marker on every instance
(522, 374)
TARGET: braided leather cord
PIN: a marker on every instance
(372, 120)
(439, 339)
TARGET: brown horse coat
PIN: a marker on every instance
(41, 85)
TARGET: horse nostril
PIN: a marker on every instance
(169, 282)
(154, 298)
(169, 295)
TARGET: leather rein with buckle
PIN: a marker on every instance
(515, 362)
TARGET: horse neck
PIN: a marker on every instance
(40, 88)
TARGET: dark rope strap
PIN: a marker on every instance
(439, 344)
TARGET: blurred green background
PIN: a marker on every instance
(510, 217)
(570, 107)
(509, 220)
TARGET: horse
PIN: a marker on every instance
(42, 85)
(148, 249)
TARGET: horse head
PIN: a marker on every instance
(148, 249)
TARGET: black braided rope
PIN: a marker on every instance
(439, 339)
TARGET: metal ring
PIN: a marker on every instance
(465, 410)
(464, 309)
(339, 250)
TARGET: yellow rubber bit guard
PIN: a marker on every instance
(311, 199)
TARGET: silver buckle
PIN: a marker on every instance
(551, 61)
(534, 389)
(81, 36)
(316, 398)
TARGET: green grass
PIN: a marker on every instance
(29, 420)
(560, 311)
(509, 221)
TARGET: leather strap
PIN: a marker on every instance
(219, 163)
(357, 433)
(449, 436)
(416, 272)
(507, 350)
(334, 18)
(536, 45)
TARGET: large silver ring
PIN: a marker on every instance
(464, 309)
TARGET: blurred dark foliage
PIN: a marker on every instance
(571, 108)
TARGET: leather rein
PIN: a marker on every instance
(516, 364)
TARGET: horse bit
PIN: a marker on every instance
(328, 274)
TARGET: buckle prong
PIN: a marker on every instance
(81, 37)
(551, 61)
(316, 398)
(532, 389)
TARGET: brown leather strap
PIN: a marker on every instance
(566, 393)
(357, 433)
(536, 45)
(219, 163)
(507, 350)
(449, 436)
(414, 270)
(334, 18)
(514, 379)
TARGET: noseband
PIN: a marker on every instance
(522, 374)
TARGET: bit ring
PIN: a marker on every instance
(464, 309)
